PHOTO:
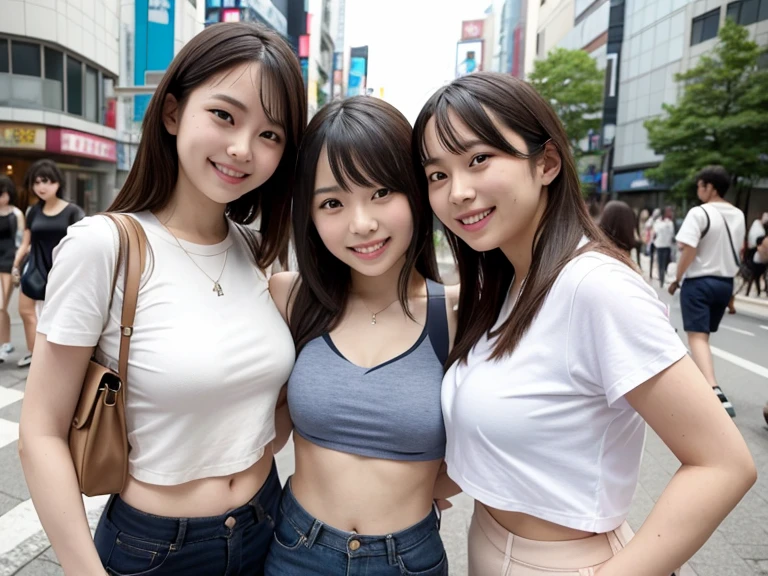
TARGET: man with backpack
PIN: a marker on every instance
(710, 239)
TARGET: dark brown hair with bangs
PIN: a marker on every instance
(368, 143)
(214, 51)
(479, 100)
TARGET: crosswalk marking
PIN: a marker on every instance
(737, 330)
(9, 432)
(739, 361)
(9, 396)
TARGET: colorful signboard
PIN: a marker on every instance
(22, 136)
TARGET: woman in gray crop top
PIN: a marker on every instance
(372, 330)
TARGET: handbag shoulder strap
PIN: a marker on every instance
(730, 241)
(132, 250)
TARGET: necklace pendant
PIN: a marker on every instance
(373, 319)
(217, 288)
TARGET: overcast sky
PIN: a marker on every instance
(412, 44)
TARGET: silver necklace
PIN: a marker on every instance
(373, 314)
(216, 283)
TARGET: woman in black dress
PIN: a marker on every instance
(11, 221)
(47, 223)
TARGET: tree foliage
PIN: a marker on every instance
(570, 81)
(721, 118)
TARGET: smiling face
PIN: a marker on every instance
(226, 144)
(487, 197)
(45, 188)
(369, 228)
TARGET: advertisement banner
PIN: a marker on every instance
(472, 29)
(77, 143)
(469, 57)
(22, 136)
(154, 45)
(358, 71)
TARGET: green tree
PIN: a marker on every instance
(721, 118)
(570, 81)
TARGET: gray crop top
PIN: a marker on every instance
(390, 411)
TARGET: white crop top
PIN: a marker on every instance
(546, 431)
(204, 371)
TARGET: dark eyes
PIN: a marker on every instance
(476, 161)
(227, 117)
(222, 115)
(331, 204)
(269, 135)
(436, 176)
(479, 159)
(381, 193)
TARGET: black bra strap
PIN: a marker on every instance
(437, 320)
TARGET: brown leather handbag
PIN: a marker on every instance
(98, 440)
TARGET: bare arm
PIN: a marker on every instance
(23, 249)
(684, 261)
(716, 472)
(283, 422)
(53, 388)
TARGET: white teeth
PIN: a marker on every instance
(475, 218)
(369, 249)
(228, 172)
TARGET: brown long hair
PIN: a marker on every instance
(487, 276)
(368, 143)
(152, 178)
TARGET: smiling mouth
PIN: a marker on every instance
(476, 217)
(228, 171)
(371, 248)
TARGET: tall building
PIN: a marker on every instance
(59, 63)
(509, 50)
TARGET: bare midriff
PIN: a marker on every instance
(532, 528)
(199, 498)
(366, 495)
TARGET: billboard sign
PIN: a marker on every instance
(358, 71)
(472, 29)
(469, 57)
(154, 46)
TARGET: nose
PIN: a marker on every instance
(461, 191)
(240, 147)
(363, 222)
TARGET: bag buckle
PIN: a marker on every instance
(127, 331)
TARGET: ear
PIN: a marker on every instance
(551, 163)
(171, 114)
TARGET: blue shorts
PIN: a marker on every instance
(703, 301)
(304, 546)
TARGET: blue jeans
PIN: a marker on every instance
(304, 546)
(133, 543)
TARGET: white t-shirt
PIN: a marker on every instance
(546, 431)
(714, 255)
(204, 371)
(664, 229)
(755, 231)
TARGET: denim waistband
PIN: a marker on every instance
(179, 530)
(352, 543)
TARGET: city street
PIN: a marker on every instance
(738, 548)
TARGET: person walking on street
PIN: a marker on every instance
(709, 240)
(757, 230)
(47, 223)
(11, 221)
(648, 237)
(663, 235)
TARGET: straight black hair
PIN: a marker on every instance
(486, 277)
(368, 144)
(618, 223)
(8, 187)
(47, 171)
(717, 176)
(215, 50)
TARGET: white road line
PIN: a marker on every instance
(741, 362)
(763, 327)
(9, 396)
(739, 330)
(9, 432)
(21, 523)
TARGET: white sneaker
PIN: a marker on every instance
(3, 355)
(25, 360)
(8, 347)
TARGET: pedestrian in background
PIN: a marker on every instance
(561, 353)
(11, 222)
(648, 236)
(209, 350)
(372, 328)
(757, 230)
(47, 224)
(618, 223)
(663, 239)
(709, 240)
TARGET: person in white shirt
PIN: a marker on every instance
(561, 352)
(209, 350)
(663, 240)
(757, 230)
(709, 239)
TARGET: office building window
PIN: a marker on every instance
(705, 27)
(538, 44)
(25, 58)
(746, 12)
(4, 61)
(74, 86)
(53, 85)
(91, 94)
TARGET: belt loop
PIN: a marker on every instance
(181, 534)
(314, 532)
(391, 550)
(258, 510)
(108, 507)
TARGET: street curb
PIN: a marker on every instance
(754, 301)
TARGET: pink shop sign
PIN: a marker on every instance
(81, 144)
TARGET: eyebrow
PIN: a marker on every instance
(232, 101)
(327, 190)
(469, 144)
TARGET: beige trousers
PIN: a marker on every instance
(494, 551)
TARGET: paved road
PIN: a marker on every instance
(738, 548)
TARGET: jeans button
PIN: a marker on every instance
(230, 522)
(354, 545)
